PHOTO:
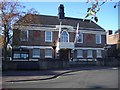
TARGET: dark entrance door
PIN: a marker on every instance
(64, 54)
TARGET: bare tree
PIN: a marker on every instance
(10, 13)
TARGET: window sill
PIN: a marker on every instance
(89, 57)
(48, 56)
(36, 56)
(99, 56)
(79, 57)
(48, 41)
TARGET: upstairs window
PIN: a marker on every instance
(80, 38)
(64, 37)
(98, 39)
(48, 36)
(24, 35)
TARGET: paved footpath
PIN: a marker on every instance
(17, 76)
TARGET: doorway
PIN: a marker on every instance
(65, 54)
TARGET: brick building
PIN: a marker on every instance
(113, 40)
(37, 38)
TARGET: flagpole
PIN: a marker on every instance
(59, 31)
(76, 33)
(59, 36)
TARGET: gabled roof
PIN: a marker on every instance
(54, 20)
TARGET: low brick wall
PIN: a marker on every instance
(53, 64)
(20, 65)
(113, 62)
(34, 65)
(82, 63)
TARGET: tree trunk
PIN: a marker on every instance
(5, 52)
(5, 42)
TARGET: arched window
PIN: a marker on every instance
(64, 37)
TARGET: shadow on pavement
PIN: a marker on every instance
(52, 72)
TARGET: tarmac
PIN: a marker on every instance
(20, 76)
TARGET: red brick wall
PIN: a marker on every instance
(89, 40)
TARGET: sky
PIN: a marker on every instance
(108, 15)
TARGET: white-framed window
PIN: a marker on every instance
(24, 55)
(99, 53)
(64, 36)
(48, 53)
(48, 36)
(36, 53)
(80, 38)
(98, 39)
(16, 55)
(89, 54)
(20, 56)
(24, 35)
(79, 53)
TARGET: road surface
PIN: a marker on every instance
(103, 78)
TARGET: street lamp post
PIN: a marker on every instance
(54, 48)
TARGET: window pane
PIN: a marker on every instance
(48, 53)
(48, 36)
(16, 56)
(98, 39)
(64, 36)
(99, 54)
(89, 54)
(25, 56)
(79, 54)
(36, 52)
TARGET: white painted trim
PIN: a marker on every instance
(36, 56)
(65, 26)
(19, 60)
(33, 59)
(83, 30)
(48, 56)
(40, 47)
(50, 47)
(85, 48)
(93, 32)
(78, 60)
(56, 26)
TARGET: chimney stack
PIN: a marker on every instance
(109, 32)
(61, 13)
